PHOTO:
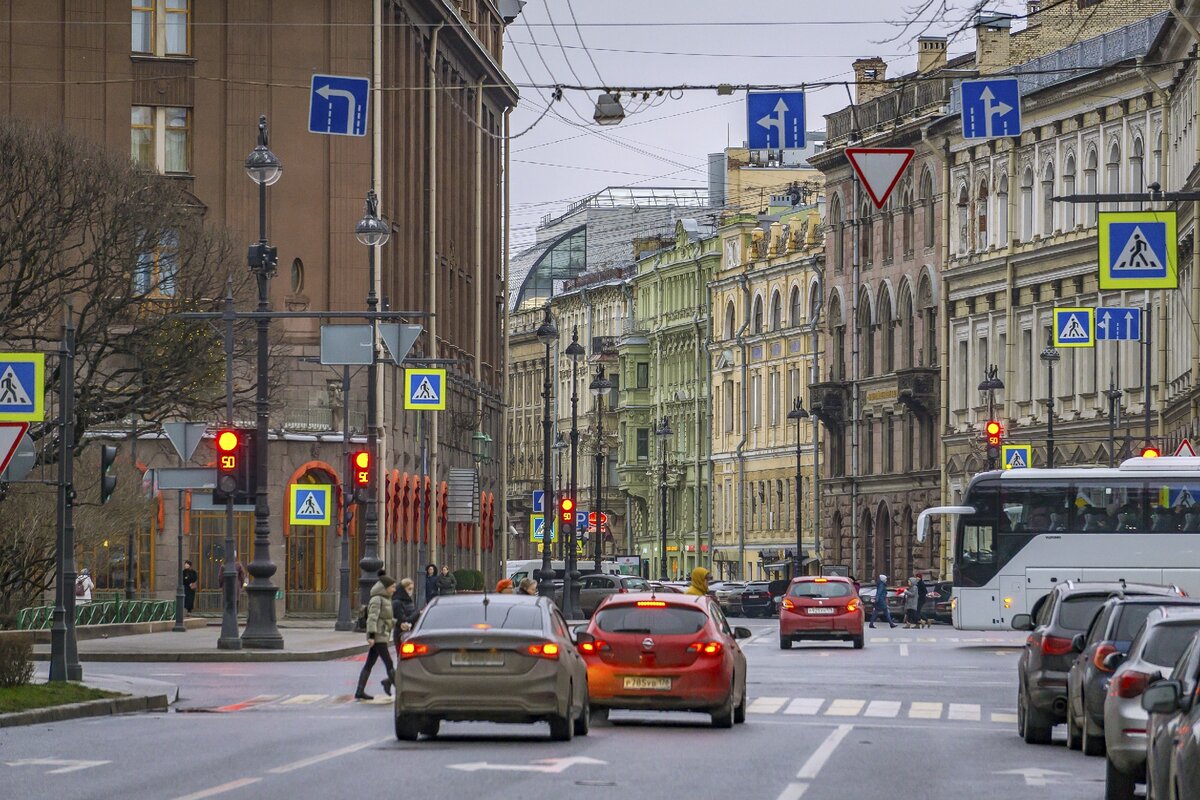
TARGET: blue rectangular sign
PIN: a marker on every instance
(337, 105)
(991, 107)
(775, 120)
(1119, 323)
(539, 501)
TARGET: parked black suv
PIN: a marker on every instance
(759, 598)
(1050, 649)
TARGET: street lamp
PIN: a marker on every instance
(560, 447)
(547, 334)
(373, 232)
(264, 168)
(1114, 404)
(598, 387)
(662, 432)
(480, 446)
(798, 414)
(1050, 356)
(991, 383)
(571, 607)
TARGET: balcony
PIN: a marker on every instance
(917, 388)
(828, 402)
(604, 346)
(909, 101)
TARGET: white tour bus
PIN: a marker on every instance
(516, 570)
(1020, 532)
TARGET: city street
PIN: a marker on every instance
(917, 713)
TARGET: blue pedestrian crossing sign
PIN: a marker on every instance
(426, 390)
(1074, 327)
(991, 107)
(537, 528)
(308, 503)
(1118, 323)
(1138, 250)
(338, 105)
(775, 120)
(1016, 456)
(22, 378)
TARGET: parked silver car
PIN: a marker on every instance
(729, 596)
(1172, 760)
(1153, 654)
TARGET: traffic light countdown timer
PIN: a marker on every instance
(995, 438)
(360, 471)
(566, 510)
(235, 470)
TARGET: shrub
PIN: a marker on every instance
(16, 662)
(469, 580)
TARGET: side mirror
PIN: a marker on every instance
(1022, 622)
(742, 633)
(1078, 642)
(1162, 697)
(1114, 660)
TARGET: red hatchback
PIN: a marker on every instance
(820, 608)
(665, 652)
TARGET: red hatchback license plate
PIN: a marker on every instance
(640, 682)
(822, 610)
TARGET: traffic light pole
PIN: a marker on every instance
(229, 638)
(64, 656)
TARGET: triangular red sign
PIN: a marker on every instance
(1185, 449)
(879, 169)
(10, 437)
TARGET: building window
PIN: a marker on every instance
(836, 231)
(927, 203)
(866, 234)
(1002, 211)
(1089, 186)
(981, 215)
(1114, 174)
(797, 317)
(643, 375)
(964, 238)
(774, 398)
(1047, 202)
(755, 400)
(757, 326)
(1137, 175)
(161, 27)
(643, 444)
(729, 320)
(889, 232)
(1069, 188)
(889, 434)
(160, 138)
(728, 406)
(1027, 205)
(776, 311)
(156, 270)
(908, 224)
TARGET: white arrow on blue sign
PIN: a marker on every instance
(539, 501)
(1119, 323)
(338, 105)
(991, 107)
(775, 120)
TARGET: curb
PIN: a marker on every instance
(92, 708)
(231, 656)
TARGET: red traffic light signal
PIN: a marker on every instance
(1150, 452)
(566, 510)
(232, 469)
(360, 467)
(994, 431)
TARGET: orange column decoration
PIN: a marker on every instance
(442, 515)
(427, 513)
(394, 506)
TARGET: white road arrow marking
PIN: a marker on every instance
(65, 765)
(326, 92)
(776, 120)
(990, 109)
(1035, 776)
(545, 765)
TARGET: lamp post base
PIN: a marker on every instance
(261, 632)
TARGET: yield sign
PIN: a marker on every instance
(879, 169)
(10, 437)
(1185, 449)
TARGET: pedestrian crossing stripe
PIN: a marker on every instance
(1074, 327)
(22, 378)
(1016, 456)
(308, 503)
(426, 389)
(877, 709)
(1138, 250)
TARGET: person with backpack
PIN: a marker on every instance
(380, 622)
(83, 587)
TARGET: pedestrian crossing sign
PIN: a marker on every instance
(425, 390)
(1074, 327)
(1016, 456)
(22, 378)
(309, 503)
(1138, 250)
(537, 528)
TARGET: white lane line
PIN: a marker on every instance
(882, 708)
(904, 650)
(303, 699)
(998, 716)
(317, 759)
(845, 708)
(766, 705)
(964, 711)
(823, 753)
(925, 711)
(793, 791)
(224, 787)
(805, 705)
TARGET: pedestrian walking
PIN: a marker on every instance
(527, 586)
(911, 619)
(83, 587)
(380, 623)
(699, 584)
(881, 592)
(922, 596)
(504, 587)
(446, 582)
(431, 587)
(404, 610)
(189, 586)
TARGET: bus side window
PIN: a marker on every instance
(978, 544)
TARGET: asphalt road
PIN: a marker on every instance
(916, 714)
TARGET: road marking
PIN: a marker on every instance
(823, 753)
(766, 705)
(805, 705)
(882, 708)
(545, 765)
(969, 712)
(998, 716)
(224, 787)
(925, 711)
(317, 759)
(303, 699)
(845, 708)
(793, 791)
(251, 703)
(904, 650)
(64, 765)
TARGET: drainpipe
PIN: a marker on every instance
(432, 295)
(744, 283)
(502, 434)
(814, 330)
(700, 351)
(855, 407)
(477, 533)
(377, 181)
(944, 356)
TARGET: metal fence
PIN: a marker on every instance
(100, 612)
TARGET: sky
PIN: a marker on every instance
(665, 141)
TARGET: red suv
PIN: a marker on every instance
(820, 608)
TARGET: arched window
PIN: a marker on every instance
(927, 204)
(776, 311)
(1113, 173)
(1069, 188)
(889, 232)
(1027, 205)
(866, 333)
(887, 329)
(796, 311)
(962, 206)
(1137, 161)
(1002, 211)
(907, 344)
(837, 332)
(757, 325)
(1047, 203)
(866, 233)
(836, 231)
(1090, 167)
(908, 224)
(981, 215)
(928, 312)
(730, 317)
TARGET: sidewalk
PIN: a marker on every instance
(140, 694)
(317, 641)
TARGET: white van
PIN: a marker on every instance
(517, 570)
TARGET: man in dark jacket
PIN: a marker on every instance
(922, 594)
(880, 602)
(446, 582)
(431, 587)
(404, 608)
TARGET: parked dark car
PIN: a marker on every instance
(1042, 668)
(1173, 761)
(729, 596)
(895, 601)
(761, 598)
(1112, 630)
(937, 602)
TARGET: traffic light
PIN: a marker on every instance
(566, 510)
(994, 433)
(1150, 451)
(235, 467)
(361, 470)
(108, 481)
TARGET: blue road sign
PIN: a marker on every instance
(775, 120)
(991, 107)
(426, 389)
(1137, 250)
(21, 387)
(310, 504)
(1074, 327)
(539, 501)
(581, 520)
(338, 105)
(1016, 456)
(1117, 323)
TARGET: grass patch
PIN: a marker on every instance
(44, 695)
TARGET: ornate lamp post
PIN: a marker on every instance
(663, 432)
(1114, 404)
(598, 387)
(571, 609)
(547, 334)
(560, 447)
(991, 384)
(1050, 357)
(798, 414)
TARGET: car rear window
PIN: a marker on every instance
(635, 584)
(1076, 613)
(814, 589)
(757, 587)
(495, 615)
(659, 620)
(1132, 617)
(1167, 642)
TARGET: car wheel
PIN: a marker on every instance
(858, 641)
(1093, 743)
(739, 712)
(562, 728)
(584, 721)
(408, 727)
(785, 642)
(722, 715)
(1031, 723)
(1117, 785)
(430, 727)
(1074, 734)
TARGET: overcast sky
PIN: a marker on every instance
(657, 42)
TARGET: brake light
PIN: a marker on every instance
(788, 604)
(590, 644)
(707, 648)
(415, 650)
(820, 580)
(1102, 652)
(545, 650)
(1130, 683)
(852, 606)
(1056, 646)
(651, 604)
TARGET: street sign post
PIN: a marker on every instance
(1074, 327)
(11, 434)
(879, 169)
(991, 108)
(308, 503)
(337, 105)
(1117, 323)
(775, 120)
(426, 389)
(22, 384)
(1138, 250)
(1016, 456)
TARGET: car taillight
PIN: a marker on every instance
(651, 604)
(1056, 646)
(590, 644)
(622, 590)
(851, 606)
(707, 648)
(1102, 652)
(1130, 683)
(544, 650)
(788, 603)
(415, 650)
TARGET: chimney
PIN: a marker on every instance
(931, 53)
(992, 42)
(1032, 7)
(869, 79)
